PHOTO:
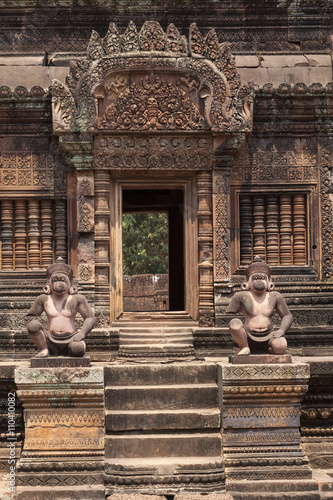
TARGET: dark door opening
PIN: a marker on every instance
(157, 202)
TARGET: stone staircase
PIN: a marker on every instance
(163, 429)
(161, 337)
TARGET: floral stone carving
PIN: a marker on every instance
(120, 84)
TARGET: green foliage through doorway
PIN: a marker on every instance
(145, 243)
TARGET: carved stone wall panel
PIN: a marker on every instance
(221, 226)
(64, 424)
(86, 220)
(33, 233)
(326, 168)
(317, 415)
(260, 420)
(85, 186)
(273, 416)
(281, 160)
(25, 164)
(151, 102)
(153, 152)
(307, 25)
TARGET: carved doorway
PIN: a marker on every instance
(159, 287)
(178, 198)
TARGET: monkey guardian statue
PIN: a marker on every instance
(61, 303)
(258, 301)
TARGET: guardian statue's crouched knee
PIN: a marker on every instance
(61, 302)
(258, 301)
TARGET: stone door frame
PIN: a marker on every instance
(188, 184)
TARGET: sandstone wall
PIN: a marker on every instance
(146, 292)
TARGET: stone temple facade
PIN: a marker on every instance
(220, 114)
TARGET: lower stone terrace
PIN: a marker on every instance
(181, 431)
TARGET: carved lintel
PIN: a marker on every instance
(176, 152)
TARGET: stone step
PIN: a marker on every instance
(156, 315)
(121, 420)
(297, 495)
(161, 397)
(159, 346)
(147, 374)
(163, 445)
(324, 478)
(153, 323)
(140, 330)
(155, 339)
(164, 466)
(270, 486)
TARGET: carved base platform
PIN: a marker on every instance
(166, 476)
(317, 415)
(64, 433)
(59, 362)
(274, 490)
(260, 424)
(264, 359)
(82, 493)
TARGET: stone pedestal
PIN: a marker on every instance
(260, 426)
(64, 433)
(10, 420)
(317, 415)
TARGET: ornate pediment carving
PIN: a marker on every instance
(150, 103)
(153, 80)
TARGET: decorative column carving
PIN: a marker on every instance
(80, 192)
(7, 234)
(285, 230)
(299, 230)
(20, 235)
(34, 233)
(46, 233)
(272, 225)
(102, 240)
(205, 222)
(246, 224)
(86, 227)
(60, 230)
(259, 244)
(326, 208)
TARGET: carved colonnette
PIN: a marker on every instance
(261, 408)
(205, 223)
(64, 432)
